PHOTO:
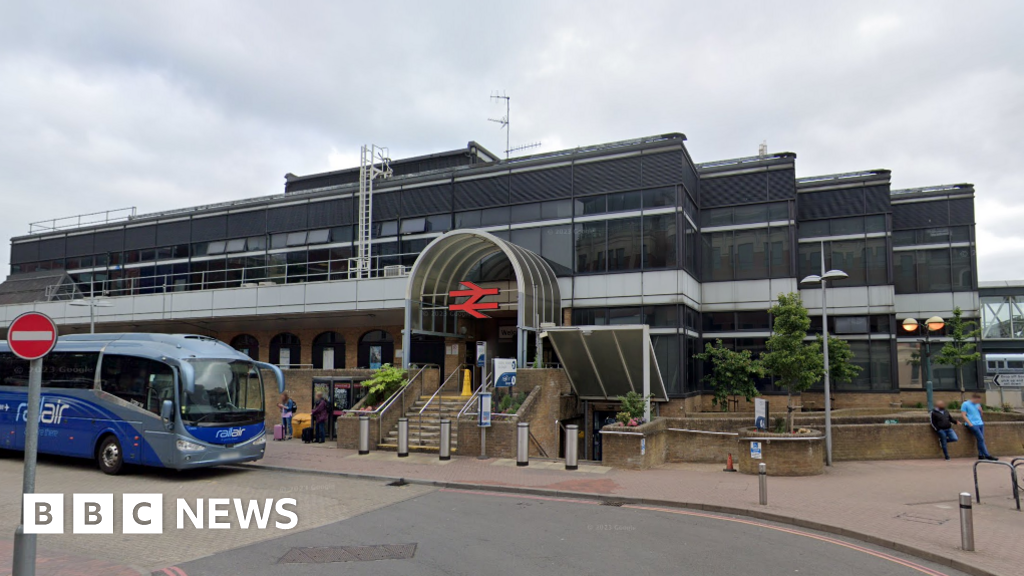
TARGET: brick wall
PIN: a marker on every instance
(918, 440)
(501, 437)
(299, 385)
(306, 336)
(548, 406)
(381, 424)
(635, 448)
(782, 455)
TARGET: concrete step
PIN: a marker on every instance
(422, 449)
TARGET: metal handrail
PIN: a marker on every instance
(419, 434)
(400, 394)
(1013, 479)
(481, 388)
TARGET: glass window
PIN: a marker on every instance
(660, 241)
(138, 381)
(217, 247)
(960, 234)
(590, 247)
(751, 258)
(389, 228)
(296, 239)
(342, 233)
(851, 325)
(13, 370)
(848, 256)
(760, 321)
(778, 211)
(623, 201)
(414, 225)
(881, 365)
(903, 238)
(963, 274)
(718, 259)
(846, 226)
(875, 261)
(237, 245)
(556, 209)
(624, 244)
(297, 257)
(69, 369)
(933, 271)
(468, 219)
(880, 325)
(719, 321)
(666, 351)
(256, 243)
(750, 214)
(525, 213)
(592, 205)
(815, 229)
(439, 223)
(557, 248)
(528, 238)
(661, 316)
(494, 216)
(587, 317)
(933, 236)
(623, 316)
(659, 197)
(690, 246)
(874, 223)
(905, 271)
(716, 217)
(778, 252)
(319, 236)
(411, 250)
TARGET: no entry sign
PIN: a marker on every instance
(32, 335)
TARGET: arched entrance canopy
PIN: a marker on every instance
(446, 262)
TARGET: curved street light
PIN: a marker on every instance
(933, 324)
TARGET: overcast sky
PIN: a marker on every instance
(165, 105)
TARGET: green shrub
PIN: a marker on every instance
(510, 403)
(779, 425)
(954, 405)
(386, 381)
(919, 405)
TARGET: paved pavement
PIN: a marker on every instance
(453, 532)
(320, 500)
(909, 505)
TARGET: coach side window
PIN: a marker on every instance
(13, 370)
(139, 381)
(70, 370)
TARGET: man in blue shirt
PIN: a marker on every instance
(971, 412)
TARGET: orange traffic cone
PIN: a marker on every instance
(728, 464)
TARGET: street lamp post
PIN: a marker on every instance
(933, 324)
(92, 303)
(823, 280)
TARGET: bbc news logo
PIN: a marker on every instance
(144, 513)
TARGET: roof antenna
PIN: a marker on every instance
(762, 149)
(504, 121)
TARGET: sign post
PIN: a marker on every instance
(484, 421)
(760, 413)
(31, 337)
(504, 372)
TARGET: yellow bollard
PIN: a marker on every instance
(467, 383)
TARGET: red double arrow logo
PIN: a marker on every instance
(473, 305)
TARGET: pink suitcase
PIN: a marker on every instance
(278, 432)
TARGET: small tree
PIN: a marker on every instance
(633, 407)
(732, 373)
(840, 369)
(962, 347)
(385, 382)
(796, 364)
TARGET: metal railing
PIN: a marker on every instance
(1013, 478)
(472, 398)
(440, 405)
(400, 395)
(67, 222)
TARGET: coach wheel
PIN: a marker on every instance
(110, 457)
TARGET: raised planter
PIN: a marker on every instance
(797, 454)
(634, 447)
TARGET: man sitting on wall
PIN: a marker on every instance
(942, 423)
(971, 411)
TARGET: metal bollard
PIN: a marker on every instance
(403, 437)
(762, 481)
(523, 444)
(445, 452)
(572, 447)
(966, 522)
(364, 434)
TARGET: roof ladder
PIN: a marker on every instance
(374, 162)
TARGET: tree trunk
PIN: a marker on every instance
(789, 408)
(960, 381)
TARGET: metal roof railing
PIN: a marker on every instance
(91, 219)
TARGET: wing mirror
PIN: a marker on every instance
(167, 410)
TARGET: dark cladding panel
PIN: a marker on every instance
(739, 189)
(245, 224)
(662, 169)
(539, 185)
(387, 206)
(287, 218)
(961, 211)
(781, 184)
(173, 233)
(831, 204)
(481, 193)
(427, 200)
(691, 181)
(80, 245)
(212, 228)
(24, 252)
(606, 176)
(920, 214)
(330, 213)
(109, 241)
(51, 249)
(876, 199)
(140, 237)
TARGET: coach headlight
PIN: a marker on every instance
(186, 446)
(260, 441)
